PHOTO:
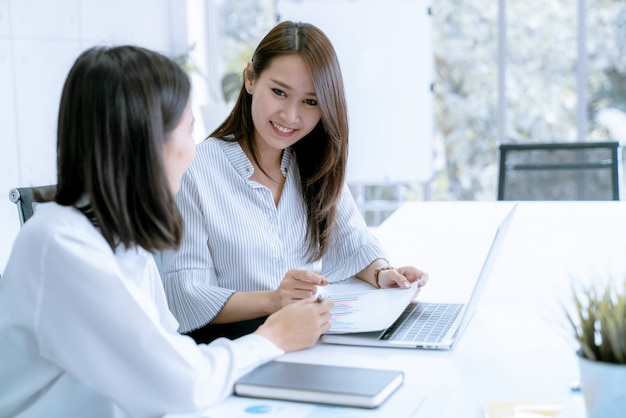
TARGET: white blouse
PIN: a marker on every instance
(237, 239)
(86, 332)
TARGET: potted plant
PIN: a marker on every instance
(598, 320)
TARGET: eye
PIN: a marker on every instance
(278, 92)
(311, 102)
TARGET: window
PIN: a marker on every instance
(606, 49)
(507, 70)
(561, 81)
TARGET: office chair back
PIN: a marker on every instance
(25, 199)
(560, 171)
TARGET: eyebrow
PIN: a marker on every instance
(288, 87)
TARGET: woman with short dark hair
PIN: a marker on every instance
(85, 328)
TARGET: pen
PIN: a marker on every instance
(321, 297)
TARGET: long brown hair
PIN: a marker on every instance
(117, 109)
(322, 154)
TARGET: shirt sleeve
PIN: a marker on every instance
(353, 246)
(115, 337)
(189, 275)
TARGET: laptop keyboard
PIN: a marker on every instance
(428, 322)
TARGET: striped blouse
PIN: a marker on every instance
(237, 239)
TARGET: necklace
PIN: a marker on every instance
(257, 163)
(282, 183)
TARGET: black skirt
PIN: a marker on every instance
(232, 330)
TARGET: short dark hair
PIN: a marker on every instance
(321, 155)
(118, 106)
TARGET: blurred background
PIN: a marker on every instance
(433, 87)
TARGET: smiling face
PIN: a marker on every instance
(284, 103)
(179, 149)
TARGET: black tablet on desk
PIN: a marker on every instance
(321, 384)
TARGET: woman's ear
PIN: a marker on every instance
(249, 78)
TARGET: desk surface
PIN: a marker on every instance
(517, 346)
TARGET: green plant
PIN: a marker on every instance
(231, 84)
(185, 60)
(599, 321)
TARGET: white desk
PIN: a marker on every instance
(516, 348)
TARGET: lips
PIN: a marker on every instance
(282, 129)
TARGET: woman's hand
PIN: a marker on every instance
(402, 277)
(296, 285)
(298, 325)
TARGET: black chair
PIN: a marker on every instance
(560, 171)
(26, 200)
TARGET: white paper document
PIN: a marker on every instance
(366, 310)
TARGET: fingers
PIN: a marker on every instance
(403, 277)
(298, 285)
(298, 325)
(422, 280)
(326, 323)
(307, 276)
(326, 305)
(393, 278)
(322, 307)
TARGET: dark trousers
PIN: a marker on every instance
(233, 330)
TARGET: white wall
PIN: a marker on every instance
(39, 41)
(385, 52)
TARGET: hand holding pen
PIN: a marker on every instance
(296, 285)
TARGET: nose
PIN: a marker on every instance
(289, 112)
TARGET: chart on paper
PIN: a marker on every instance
(367, 310)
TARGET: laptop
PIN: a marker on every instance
(430, 325)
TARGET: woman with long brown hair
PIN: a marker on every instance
(266, 200)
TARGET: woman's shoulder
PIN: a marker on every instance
(207, 153)
(213, 147)
(50, 218)
(50, 215)
(54, 225)
(216, 150)
(207, 144)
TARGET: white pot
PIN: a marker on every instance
(604, 388)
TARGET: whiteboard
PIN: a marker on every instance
(385, 52)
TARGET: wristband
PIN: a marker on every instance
(378, 270)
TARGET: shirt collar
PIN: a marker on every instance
(242, 164)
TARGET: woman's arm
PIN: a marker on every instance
(354, 246)
(381, 274)
(95, 305)
(105, 322)
(295, 286)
